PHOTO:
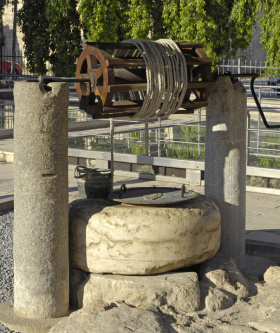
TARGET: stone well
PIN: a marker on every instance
(108, 237)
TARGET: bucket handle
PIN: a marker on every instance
(80, 171)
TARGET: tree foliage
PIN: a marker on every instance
(2, 5)
(101, 19)
(34, 25)
(65, 36)
(51, 31)
(107, 20)
(52, 27)
(222, 26)
(270, 30)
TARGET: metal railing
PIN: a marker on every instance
(267, 74)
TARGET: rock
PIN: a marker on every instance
(218, 300)
(138, 240)
(117, 320)
(179, 291)
(94, 308)
(272, 275)
(222, 283)
(270, 325)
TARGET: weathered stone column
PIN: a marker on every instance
(225, 162)
(41, 264)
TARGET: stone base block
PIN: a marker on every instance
(16, 323)
(177, 291)
(138, 240)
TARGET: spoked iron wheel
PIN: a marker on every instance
(92, 64)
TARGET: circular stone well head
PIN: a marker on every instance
(107, 237)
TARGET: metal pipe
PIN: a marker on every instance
(259, 106)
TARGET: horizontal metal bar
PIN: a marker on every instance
(263, 190)
(263, 172)
(138, 159)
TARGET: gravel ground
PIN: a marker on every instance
(6, 260)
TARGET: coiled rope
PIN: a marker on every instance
(166, 73)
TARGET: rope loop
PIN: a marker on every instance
(166, 73)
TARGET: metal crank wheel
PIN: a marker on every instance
(92, 64)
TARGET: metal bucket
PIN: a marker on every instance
(93, 183)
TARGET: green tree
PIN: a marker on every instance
(113, 21)
(222, 26)
(270, 30)
(65, 36)
(51, 31)
(2, 4)
(36, 38)
(102, 19)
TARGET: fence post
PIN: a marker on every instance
(239, 66)
(159, 137)
(248, 138)
(112, 130)
(146, 136)
(225, 162)
(199, 132)
(40, 246)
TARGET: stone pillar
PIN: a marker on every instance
(41, 260)
(225, 162)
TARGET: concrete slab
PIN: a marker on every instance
(262, 222)
(263, 203)
(263, 238)
(7, 145)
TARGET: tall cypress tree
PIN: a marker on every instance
(51, 34)
(36, 38)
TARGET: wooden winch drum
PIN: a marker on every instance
(118, 84)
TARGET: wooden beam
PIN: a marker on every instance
(126, 62)
(197, 61)
(200, 84)
(105, 45)
(114, 88)
(193, 105)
